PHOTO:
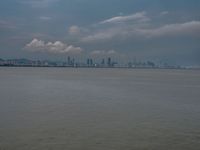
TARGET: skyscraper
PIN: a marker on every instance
(103, 62)
(68, 61)
(109, 62)
(89, 62)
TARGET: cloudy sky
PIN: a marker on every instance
(158, 30)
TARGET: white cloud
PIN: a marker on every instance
(139, 16)
(164, 13)
(74, 30)
(99, 36)
(180, 29)
(57, 47)
(45, 18)
(112, 28)
(191, 29)
(107, 34)
(103, 52)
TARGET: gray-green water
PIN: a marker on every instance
(99, 109)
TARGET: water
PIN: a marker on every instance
(99, 109)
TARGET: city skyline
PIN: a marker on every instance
(90, 63)
(158, 30)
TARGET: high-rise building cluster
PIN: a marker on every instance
(87, 63)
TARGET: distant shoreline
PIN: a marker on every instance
(156, 68)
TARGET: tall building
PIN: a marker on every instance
(103, 62)
(68, 61)
(89, 62)
(109, 63)
(73, 62)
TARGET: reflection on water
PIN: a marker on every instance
(99, 109)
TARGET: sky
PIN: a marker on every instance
(156, 30)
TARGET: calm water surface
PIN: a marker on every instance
(99, 109)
